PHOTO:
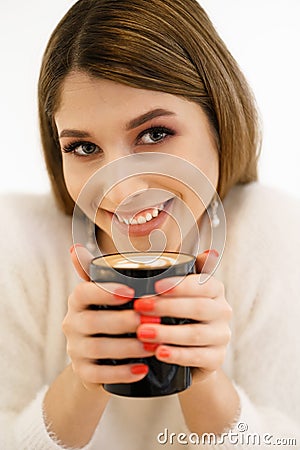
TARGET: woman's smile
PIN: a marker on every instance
(143, 222)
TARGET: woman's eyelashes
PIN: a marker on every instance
(154, 135)
(82, 148)
(151, 136)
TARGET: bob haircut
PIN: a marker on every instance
(161, 45)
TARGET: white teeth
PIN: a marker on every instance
(142, 219)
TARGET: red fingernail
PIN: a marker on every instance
(212, 252)
(123, 293)
(149, 347)
(138, 369)
(164, 352)
(144, 304)
(146, 333)
(75, 246)
(150, 319)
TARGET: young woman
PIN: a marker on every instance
(123, 78)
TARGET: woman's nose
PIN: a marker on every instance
(124, 193)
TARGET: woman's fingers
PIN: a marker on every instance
(189, 287)
(185, 335)
(88, 323)
(82, 321)
(208, 358)
(199, 309)
(81, 259)
(96, 374)
(107, 348)
(206, 262)
(87, 293)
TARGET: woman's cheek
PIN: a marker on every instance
(75, 178)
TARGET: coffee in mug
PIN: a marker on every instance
(140, 271)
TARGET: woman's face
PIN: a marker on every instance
(100, 121)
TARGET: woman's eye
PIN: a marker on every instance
(154, 135)
(82, 148)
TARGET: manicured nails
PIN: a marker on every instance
(164, 352)
(139, 369)
(149, 319)
(123, 293)
(212, 252)
(144, 305)
(149, 347)
(75, 246)
(146, 333)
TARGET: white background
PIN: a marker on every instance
(263, 35)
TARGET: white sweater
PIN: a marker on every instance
(261, 273)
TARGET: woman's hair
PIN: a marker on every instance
(161, 45)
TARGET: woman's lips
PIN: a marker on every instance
(144, 228)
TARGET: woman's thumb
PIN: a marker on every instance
(81, 259)
(206, 261)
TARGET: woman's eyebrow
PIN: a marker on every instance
(74, 133)
(134, 123)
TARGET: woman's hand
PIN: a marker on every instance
(200, 345)
(81, 324)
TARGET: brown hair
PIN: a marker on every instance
(162, 45)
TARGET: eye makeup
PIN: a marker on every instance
(89, 149)
(160, 129)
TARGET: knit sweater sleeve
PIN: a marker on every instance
(27, 316)
(263, 285)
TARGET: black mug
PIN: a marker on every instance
(140, 271)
